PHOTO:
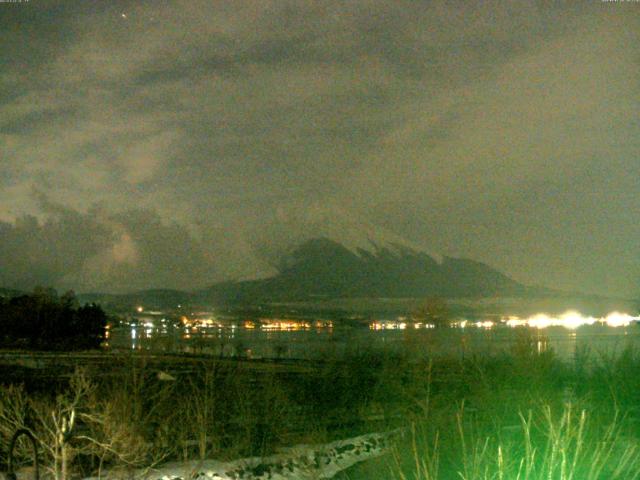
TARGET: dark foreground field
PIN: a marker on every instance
(521, 415)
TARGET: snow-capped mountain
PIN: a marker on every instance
(280, 236)
(323, 267)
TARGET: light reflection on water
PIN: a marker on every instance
(313, 339)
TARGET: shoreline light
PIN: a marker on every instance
(571, 320)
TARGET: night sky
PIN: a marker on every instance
(178, 143)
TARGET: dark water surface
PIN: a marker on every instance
(309, 342)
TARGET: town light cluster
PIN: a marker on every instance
(571, 320)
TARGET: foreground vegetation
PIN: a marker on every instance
(523, 415)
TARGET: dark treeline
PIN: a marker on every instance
(44, 320)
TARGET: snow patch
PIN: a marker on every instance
(291, 228)
(300, 462)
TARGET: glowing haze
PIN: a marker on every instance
(175, 144)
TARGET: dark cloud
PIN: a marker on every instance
(501, 131)
(98, 250)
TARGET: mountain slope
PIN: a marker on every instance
(324, 268)
(152, 298)
(9, 292)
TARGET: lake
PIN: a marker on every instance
(315, 340)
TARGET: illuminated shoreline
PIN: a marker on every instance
(569, 320)
(572, 320)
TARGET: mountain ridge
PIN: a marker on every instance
(322, 267)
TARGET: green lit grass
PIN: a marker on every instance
(522, 415)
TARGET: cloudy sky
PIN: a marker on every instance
(176, 143)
